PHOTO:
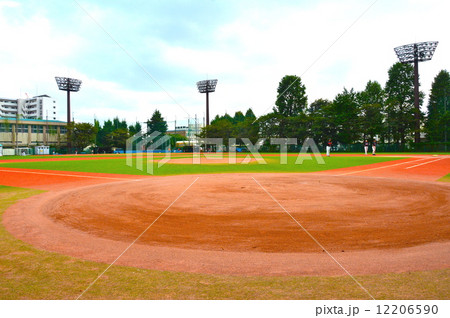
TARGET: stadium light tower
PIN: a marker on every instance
(415, 53)
(69, 85)
(207, 86)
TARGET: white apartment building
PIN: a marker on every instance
(37, 107)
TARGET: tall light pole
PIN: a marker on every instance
(207, 86)
(69, 85)
(415, 53)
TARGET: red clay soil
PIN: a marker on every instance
(56, 180)
(424, 168)
(228, 224)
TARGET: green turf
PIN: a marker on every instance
(118, 166)
(445, 178)
(30, 273)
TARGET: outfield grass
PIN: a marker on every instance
(445, 178)
(119, 166)
(187, 155)
(29, 273)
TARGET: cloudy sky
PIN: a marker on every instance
(137, 56)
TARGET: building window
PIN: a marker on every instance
(63, 130)
(52, 130)
(5, 127)
(34, 129)
(22, 128)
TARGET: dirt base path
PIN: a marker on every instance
(228, 224)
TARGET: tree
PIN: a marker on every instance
(344, 111)
(249, 114)
(291, 99)
(317, 105)
(240, 126)
(134, 129)
(156, 123)
(249, 128)
(119, 124)
(103, 142)
(83, 135)
(221, 128)
(298, 127)
(174, 138)
(437, 124)
(371, 102)
(270, 125)
(322, 126)
(117, 138)
(238, 117)
(400, 109)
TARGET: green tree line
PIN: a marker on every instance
(386, 113)
(383, 112)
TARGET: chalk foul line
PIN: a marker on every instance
(132, 243)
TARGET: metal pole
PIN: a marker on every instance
(68, 106)
(207, 108)
(69, 135)
(416, 97)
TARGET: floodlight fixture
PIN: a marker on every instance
(415, 53)
(207, 86)
(422, 51)
(69, 85)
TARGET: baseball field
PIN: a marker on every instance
(354, 227)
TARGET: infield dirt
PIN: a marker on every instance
(228, 224)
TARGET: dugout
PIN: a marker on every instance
(42, 150)
(23, 151)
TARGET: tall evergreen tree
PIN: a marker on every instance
(156, 123)
(321, 119)
(249, 114)
(238, 117)
(371, 102)
(134, 129)
(345, 110)
(400, 102)
(291, 98)
(437, 124)
(119, 124)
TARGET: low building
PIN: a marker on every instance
(189, 131)
(32, 132)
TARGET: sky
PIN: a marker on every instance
(134, 57)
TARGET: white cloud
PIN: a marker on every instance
(32, 51)
(9, 4)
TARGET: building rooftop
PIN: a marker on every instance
(33, 120)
